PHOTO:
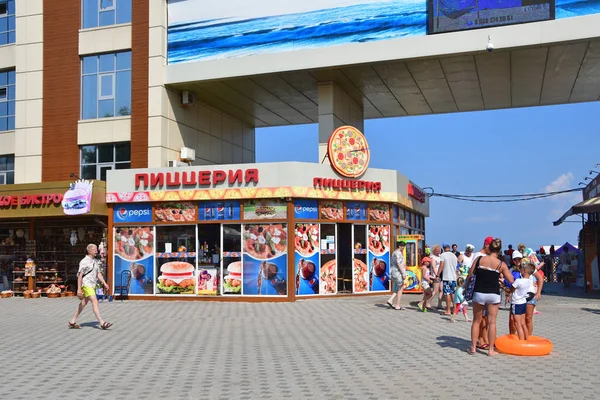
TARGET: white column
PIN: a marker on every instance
(217, 137)
(336, 109)
(29, 90)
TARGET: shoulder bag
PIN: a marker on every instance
(471, 284)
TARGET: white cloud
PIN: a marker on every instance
(484, 219)
(563, 182)
(562, 202)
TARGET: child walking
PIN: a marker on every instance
(426, 283)
(459, 301)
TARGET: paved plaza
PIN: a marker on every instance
(344, 348)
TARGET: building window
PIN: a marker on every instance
(97, 13)
(7, 170)
(7, 22)
(106, 85)
(7, 100)
(99, 158)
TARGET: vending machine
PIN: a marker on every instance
(412, 258)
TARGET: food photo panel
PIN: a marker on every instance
(232, 276)
(175, 212)
(306, 258)
(332, 210)
(265, 209)
(378, 257)
(134, 252)
(265, 259)
(379, 212)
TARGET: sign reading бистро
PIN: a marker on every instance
(33, 200)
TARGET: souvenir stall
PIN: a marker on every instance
(44, 231)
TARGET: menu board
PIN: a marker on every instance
(306, 258)
(378, 257)
(219, 210)
(175, 212)
(264, 259)
(134, 252)
(265, 209)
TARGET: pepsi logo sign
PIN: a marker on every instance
(301, 209)
(130, 214)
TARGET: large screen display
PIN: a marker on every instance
(458, 15)
(208, 29)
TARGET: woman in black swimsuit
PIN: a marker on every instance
(487, 292)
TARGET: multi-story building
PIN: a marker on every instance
(82, 92)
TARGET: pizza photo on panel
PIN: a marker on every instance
(348, 152)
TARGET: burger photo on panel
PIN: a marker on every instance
(176, 277)
(232, 283)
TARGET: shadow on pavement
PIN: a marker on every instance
(453, 342)
(91, 324)
(559, 290)
(591, 310)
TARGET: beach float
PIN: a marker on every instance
(534, 346)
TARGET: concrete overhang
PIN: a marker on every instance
(543, 63)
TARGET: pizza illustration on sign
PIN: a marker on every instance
(348, 152)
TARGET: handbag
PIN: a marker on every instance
(470, 290)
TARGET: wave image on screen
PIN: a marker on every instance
(203, 30)
(457, 15)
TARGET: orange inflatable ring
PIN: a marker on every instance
(534, 346)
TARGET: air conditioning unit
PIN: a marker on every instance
(175, 164)
(187, 98)
(187, 154)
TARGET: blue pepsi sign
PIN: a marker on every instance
(306, 209)
(219, 210)
(128, 213)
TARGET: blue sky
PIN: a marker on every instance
(527, 150)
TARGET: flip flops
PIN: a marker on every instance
(105, 325)
(471, 352)
(73, 326)
(483, 346)
(390, 304)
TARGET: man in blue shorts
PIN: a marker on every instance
(448, 265)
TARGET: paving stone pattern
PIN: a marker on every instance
(349, 348)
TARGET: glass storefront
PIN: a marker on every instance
(240, 248)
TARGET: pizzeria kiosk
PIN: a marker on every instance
(261, 232)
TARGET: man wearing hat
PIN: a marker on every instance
(465, 259)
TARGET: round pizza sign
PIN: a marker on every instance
(348, 152)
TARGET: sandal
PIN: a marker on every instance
(73, 325)
(483, 346)
(105, 325)
(471, 352)
(400, 309)
(390, 304)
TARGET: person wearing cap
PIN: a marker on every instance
(485, 250)
(517, 259)
(447, 272)
(398, 275)
(426, 283)
(465, 259)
